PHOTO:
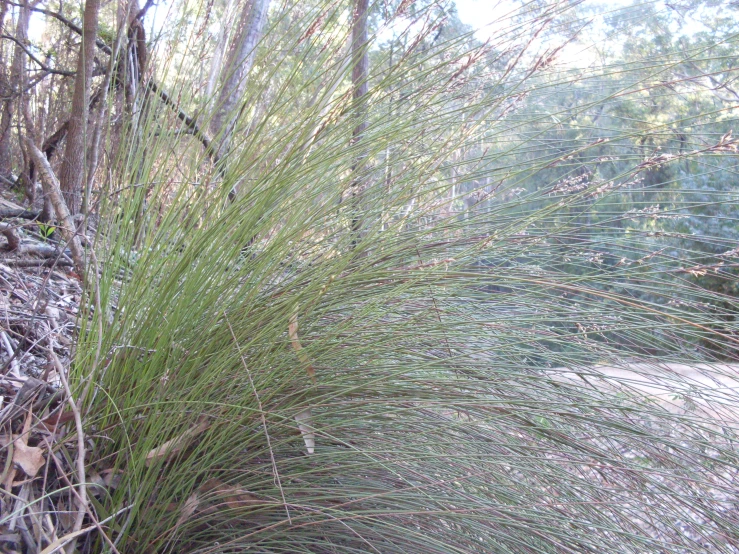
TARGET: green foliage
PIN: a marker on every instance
(458, 405)
(45, 230)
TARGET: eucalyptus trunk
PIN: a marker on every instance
(360, 71)
(10, 89)
(216, 63)
(243, 49)
(5, 167)
(72, 173)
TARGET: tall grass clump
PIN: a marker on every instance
(264, 375)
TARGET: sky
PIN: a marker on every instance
(482, 14)
(488, 16)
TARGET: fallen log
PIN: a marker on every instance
(22, 214)
(48, 262)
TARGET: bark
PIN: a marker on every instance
(136, 47)
(360, 67)
(72, 173)
(253, 19)
(12, 87)
(3, 13)
(5, 92)
(360, 72)
(23, 214)
(49, 147)
(216, 63)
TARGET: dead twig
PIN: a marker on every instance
(52, 190)
(99, 314)
(82, 502)
(95, 523)
(12, 352)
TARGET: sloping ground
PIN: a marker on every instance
(39, 300)
(38, 311)
(711, 390)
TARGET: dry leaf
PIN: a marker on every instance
(106, 479)
(29, 458)
(229, 496)
(112, 478)
(292, 333)
(57, 545)
(188, 508)
(56, 419)
(304, 420)
(94, 478)
(175, 445)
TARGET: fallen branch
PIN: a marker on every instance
(40, 249)
(39, 263)
(52, 190)
(82, 502)
(189, 122)
(34, 248)
(23, 214)
(14, 241)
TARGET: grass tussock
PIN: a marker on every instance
(264, 375)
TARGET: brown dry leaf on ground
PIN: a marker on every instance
(29, 458)
(228, 496)
(188, 508)
(175, 445)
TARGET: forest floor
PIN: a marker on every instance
(39, 301)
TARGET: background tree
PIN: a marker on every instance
(234, 74)
(72, 172)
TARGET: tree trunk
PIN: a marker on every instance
(243, 49)
(5, 92)
(11, 87)
(72, 173)
(217, 62)
(360, 72)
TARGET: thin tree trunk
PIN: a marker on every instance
(253, 19)
(360, 72)
(125, 25)
(12, 88)
(5, 92)
(217, 62)
(72, 173)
